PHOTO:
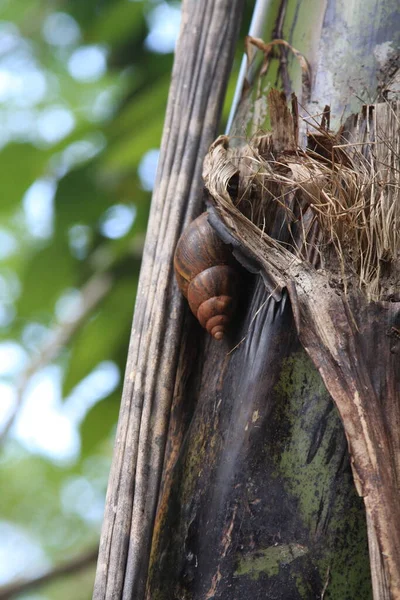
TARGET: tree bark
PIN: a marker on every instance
(202, 65)
(351, 339)
(257, 498)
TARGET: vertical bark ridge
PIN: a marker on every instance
(202, 65)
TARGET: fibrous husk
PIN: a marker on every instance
(336, 251)
(350, 189)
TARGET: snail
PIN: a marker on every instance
(206, 274)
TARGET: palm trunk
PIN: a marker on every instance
(203, 61)
(249, 464)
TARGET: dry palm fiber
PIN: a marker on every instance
(340, 201)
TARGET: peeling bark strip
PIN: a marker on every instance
(343, 196)
(202, 64)
(267, 49)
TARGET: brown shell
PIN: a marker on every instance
(205, 272)
(212, 298)
(198, 248)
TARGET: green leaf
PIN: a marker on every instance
(21, 165)
(45, 275)
(127, 153)
(142, 108)
(81, 198)
(99, 422)
(117, 22)
(105, 336)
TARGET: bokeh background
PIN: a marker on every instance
(83, 92)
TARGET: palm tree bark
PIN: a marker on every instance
(202, 65)
(256, 497)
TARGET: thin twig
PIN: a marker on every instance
(76, 564)
(91, 295)
(327, 579)
(250, 324)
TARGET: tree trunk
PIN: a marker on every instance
(257, 497)
(347, 323)
(203, 60)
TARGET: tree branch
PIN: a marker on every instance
(79, 563)
(91, 294)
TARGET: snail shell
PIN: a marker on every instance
(206, 274)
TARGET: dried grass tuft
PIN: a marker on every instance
(335, 205)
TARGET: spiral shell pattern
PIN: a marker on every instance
(206, 275)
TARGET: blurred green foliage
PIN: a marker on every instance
(83, 91)
(57, 235)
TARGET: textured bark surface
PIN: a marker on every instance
(353, 352)
(352, 341)
(203, 61)
(257, 499)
